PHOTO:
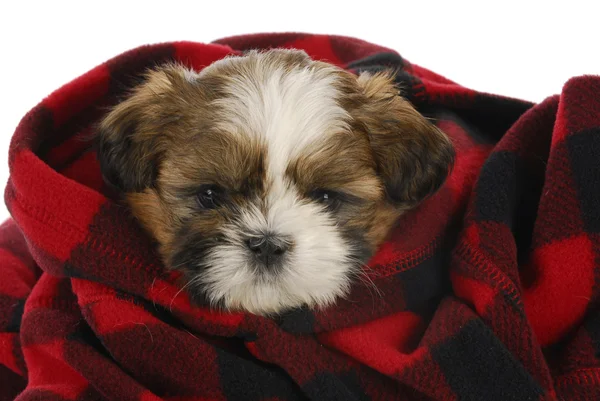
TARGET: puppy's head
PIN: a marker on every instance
(270, 178)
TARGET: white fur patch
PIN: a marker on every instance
(190, 75)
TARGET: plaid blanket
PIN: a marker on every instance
(488, 291)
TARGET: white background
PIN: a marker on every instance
(524, 49)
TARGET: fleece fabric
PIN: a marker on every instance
(487, 291)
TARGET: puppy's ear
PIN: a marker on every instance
(132, 136)
(127, 161)
(413, 156)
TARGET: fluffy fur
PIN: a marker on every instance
(270, 178)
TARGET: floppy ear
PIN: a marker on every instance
(413, 156)
(127, 162)
(132, 136)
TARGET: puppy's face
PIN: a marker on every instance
(269, 179)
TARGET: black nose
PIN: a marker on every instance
(268, 250)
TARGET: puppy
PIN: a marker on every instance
(269, 179)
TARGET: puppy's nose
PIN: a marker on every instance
(268, 250)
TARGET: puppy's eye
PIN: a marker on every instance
(209, 197)
(330, 199)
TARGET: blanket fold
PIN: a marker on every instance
(489, 290)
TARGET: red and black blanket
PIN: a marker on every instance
(488, 291)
